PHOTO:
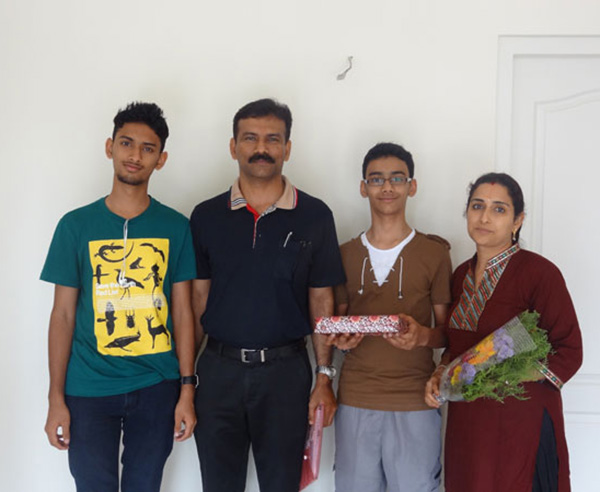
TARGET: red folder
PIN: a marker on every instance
(312, 450)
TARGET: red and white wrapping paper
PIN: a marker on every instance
(366, 325)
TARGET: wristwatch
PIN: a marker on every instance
(329, 371)
(190, 380)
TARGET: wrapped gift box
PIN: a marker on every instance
(366, 325)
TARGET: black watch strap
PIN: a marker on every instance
(190, 380)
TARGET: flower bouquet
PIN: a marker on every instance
(498, 364)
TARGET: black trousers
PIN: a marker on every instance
(263, 405)
(545, 478)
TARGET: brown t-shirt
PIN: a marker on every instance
(376, 375)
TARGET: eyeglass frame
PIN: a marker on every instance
(406, 179)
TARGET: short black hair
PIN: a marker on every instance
(388, 149)
(143, 112)
(512, 187)
(261, 108)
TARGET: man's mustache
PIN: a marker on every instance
(264, 157)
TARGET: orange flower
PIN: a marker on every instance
(483, 351)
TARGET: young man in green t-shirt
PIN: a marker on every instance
(121, 336)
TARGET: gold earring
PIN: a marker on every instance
(514, 236)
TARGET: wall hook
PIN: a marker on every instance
(342, 75)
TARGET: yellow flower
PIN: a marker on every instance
(455, 375)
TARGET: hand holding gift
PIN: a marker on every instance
(365, 325)
(345, 341)
(346, 332)
(414, 335)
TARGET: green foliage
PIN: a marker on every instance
(505, 379)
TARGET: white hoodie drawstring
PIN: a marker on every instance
(121, 279)
(362, 277)
(400, 278)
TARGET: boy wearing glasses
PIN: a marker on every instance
(386, 436)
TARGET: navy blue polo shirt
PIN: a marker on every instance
(261, 267)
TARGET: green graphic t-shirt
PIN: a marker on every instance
(124, 270)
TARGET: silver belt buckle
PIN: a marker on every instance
(247, 351)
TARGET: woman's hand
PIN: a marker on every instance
(432, 388)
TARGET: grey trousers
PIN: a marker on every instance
(377, 450)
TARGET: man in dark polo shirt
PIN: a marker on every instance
(267, 258)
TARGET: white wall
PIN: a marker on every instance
(424, 76)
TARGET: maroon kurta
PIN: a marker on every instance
(491, 446)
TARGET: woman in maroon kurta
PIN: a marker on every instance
(515, 446)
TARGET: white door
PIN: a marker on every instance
(548, 138)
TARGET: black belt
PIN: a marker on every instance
(250, 356)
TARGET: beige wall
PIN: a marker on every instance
(424, 75)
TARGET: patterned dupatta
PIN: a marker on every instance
(472, 301)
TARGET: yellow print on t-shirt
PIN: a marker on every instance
(130, 308)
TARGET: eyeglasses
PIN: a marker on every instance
(394, 181)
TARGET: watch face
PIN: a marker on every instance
(190, 380)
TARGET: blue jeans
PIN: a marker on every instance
(145, 416)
